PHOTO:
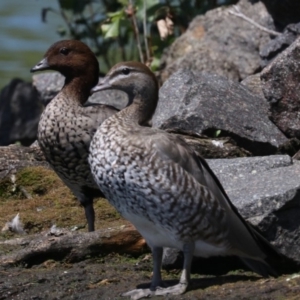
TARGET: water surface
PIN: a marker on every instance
(24, 38)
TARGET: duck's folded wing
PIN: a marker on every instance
(244, 238)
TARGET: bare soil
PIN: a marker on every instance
(108, 277)
(105, 276)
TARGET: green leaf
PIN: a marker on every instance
(150, 5)
(123, 2)
(151, 12)
(217, 133)
(117, 14)
(111, 30)
(155, 63)
(105, 28)
(124, 26)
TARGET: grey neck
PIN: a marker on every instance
(141, 106)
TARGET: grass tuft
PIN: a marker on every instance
(42, 200)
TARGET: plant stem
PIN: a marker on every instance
(69, 24)
(136, 32)
(145, 32)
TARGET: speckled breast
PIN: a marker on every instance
(65, 140)
(142, 186)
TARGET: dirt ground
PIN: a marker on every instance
(109, 276)
(42, 200)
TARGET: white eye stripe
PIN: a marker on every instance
(116, 77)
(120, 73)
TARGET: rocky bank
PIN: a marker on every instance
(230, 89)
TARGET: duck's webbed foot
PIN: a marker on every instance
(177, 289)
(156, 288)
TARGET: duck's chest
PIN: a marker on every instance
(64, 135)
(62, 128)
(119, 168)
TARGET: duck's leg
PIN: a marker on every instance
(87, 203)
(156, 288)
(157, 253)
(180, 288)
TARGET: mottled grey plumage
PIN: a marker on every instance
(157, 182)
(66, 127)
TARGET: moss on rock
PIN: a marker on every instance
(42, 199)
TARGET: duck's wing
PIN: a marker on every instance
(242, 236)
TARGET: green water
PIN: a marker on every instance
(24, 38)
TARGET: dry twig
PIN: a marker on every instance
(131, 12)
(236, 12)
(145, 33)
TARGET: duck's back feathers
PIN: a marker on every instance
(246, 241)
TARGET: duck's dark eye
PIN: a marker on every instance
(64, 51)
(125, 71)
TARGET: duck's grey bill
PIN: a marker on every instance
(101, 86)
(42, 65)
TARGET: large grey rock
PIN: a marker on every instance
(48, 84)
(279, 44)
(20, 109)
(220, 43)
(254, 85)
(266, 191)
(281, 83)
(16, 157)
(202, 103)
